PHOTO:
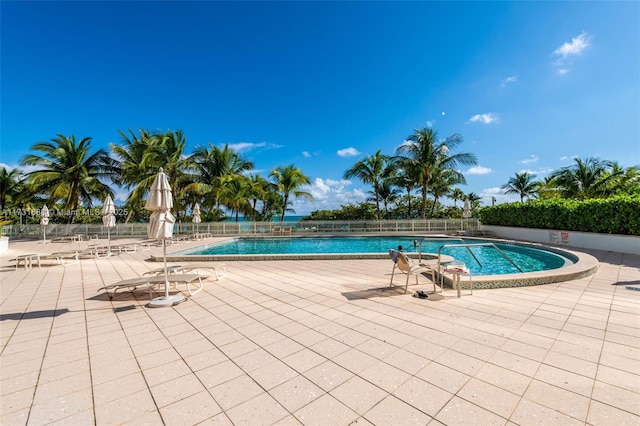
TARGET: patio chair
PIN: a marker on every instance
(406, 265)
(211, 266)
(153, 281)
(277, 230)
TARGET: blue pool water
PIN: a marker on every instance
(489, 261)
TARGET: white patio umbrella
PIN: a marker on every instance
(44, 221)
(108, 219)
(196, 215)
(161, 228)
(466, 211)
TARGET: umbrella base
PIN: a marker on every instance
(166, 301)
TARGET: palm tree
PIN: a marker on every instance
(522, 184)
(387, 193)
(442, 182)
(428, 155)
(171, 157)
(288, 180)
(474, 199)
(372, 170)
(69, 172)
(405, 175)
(137, 165)
(456, 194)
(235, 194)
(211, 164)
(9, 185)
(588, 178)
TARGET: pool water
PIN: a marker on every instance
(490, 261)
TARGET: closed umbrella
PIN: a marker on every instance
(44, 221)
(466, 211)
(161, 223)
(108, 219)
(196, 216)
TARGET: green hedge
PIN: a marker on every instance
(616, 215)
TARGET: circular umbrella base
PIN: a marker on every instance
(166, 301)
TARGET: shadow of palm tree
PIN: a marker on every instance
(32, 315)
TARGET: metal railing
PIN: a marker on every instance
(468, 247)
(252, 228)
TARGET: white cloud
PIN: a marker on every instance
(249, 146)
(537, 173)
(568, 51)
(348, 152)
(328, 194)
(509, 80)
(486, 118)
(496, 192)
(574, 47)
(479, 170)
(306, 154)
(531, 159)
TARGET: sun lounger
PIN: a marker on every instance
(214, 267)
(26, 260)
(151, 282)
(64, 258)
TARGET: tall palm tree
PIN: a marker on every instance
(235, 194)
(405, 175)
(522, 184)
(210, 165)
(137, 165)
(172, 158)
(371, 170)
(441, 184)
(9, 185)
(387, 193)
(587, 178)
(289, 179)
(68, 172)
(429, 155)
(474, 199)
(456, 194)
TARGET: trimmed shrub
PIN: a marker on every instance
(616, 215)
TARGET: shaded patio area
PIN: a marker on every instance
(315, 343)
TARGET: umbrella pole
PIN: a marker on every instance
(109, 241)
(166, 277)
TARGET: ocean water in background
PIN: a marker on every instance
(288, 218)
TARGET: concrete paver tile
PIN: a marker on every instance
(489, 397)
(393, 411)
(325, 410)
(458, 411)
(235, 391)
(604, 414)
(191, 410)
(530, 413)
(328, 375)
(296, 393)
(558, 399)
(261, 410)
(424, 396)
(358, 394)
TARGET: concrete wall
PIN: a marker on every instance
(608, 242)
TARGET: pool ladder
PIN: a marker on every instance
(468, 247)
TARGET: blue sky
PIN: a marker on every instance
(528, 85)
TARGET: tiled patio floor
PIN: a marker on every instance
(315, 343)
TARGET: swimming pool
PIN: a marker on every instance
(481, 260)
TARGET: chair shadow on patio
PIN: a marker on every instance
(383, 292)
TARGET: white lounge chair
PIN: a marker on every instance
(151, 282)
(406, 265)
